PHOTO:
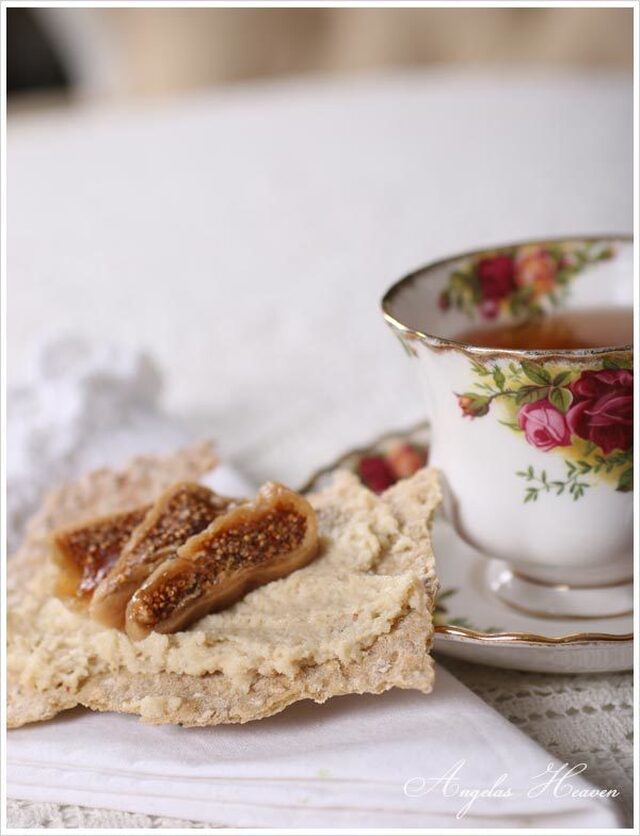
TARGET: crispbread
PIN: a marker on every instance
(384, 653)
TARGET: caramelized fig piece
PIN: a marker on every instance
(86, 552)
(251, 545)
(183, 510)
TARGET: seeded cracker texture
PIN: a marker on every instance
(384, 544)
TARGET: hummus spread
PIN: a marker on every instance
(335, 608)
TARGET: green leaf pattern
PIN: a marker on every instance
(512, 385)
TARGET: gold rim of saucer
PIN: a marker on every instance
(530, 638)
(452, 630)
(444, 343)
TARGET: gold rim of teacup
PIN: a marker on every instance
(446, 344)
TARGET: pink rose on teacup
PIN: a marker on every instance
(535, 268)
(544, 426)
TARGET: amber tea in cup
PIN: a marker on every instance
(598, 327)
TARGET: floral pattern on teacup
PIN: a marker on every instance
(380, 469)
(515, 281)
(585, 415)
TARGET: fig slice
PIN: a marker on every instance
(181, 511)
(86, 552)
(247, 547)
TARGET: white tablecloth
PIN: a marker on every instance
(245, 236)
(585, 719)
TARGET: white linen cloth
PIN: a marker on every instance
(357, 761)
(342, 764)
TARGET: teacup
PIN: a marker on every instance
(535, 447)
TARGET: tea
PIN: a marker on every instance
(587, 328)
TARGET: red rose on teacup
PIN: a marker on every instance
(535, 268)
(602, 409)
(495, 276)
(544, 426)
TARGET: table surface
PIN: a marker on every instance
(244, 238)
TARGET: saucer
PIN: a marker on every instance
(474, 624)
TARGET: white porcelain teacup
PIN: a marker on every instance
(535, 446)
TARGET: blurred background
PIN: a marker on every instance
(232, 191)
(112, 53)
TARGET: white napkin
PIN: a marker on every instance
(402, 759)
(357, 761)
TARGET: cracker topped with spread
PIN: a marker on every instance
(275, 600)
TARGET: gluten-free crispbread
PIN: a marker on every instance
(355, 620)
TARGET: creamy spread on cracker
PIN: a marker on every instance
(334, 608)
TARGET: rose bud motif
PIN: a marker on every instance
(536, 269)
(376, 473)
(544, 426)
(473, 406)
(602, 409)
(567, 260)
